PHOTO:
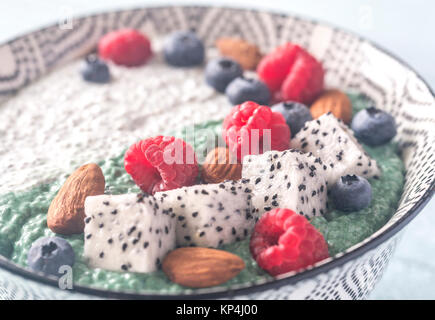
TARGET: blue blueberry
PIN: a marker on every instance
(351, 193)
(295, 114)
(183, 49)
(244, 89)
(48, 254)
(373, 126)
(220, 72)
(95, 70)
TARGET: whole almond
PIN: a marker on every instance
(245, 53)
(220, 165)
(333, 101)
(196, 267)
(66, 212)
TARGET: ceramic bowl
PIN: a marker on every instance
(352, 63)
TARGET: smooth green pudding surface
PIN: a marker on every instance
(23, 218)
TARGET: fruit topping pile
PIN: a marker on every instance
(280, 166)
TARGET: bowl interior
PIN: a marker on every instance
(352, 64)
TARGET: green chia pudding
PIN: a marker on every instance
(23, 218)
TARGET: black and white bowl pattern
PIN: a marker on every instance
(352, 63)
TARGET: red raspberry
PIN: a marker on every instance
(126, 47)
(274, 67)
(291, 73)
(240, 137)
(161, 163)
(285, 241)
(304, 83)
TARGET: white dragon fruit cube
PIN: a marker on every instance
(210, 215)
(331, 140)
(287, 179)
(127, 233)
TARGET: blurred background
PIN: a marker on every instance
(403, 27)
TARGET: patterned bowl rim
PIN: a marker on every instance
(278, 283)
